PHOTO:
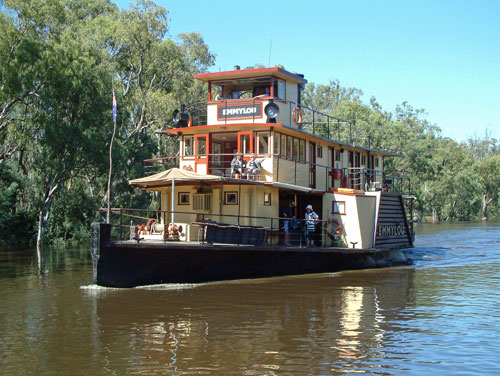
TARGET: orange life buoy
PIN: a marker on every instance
(297, 116)
(333, 228)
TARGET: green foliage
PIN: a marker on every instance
(61, 60)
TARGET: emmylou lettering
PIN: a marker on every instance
(391, 230)
(240, 111)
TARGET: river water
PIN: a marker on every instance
(440, 316)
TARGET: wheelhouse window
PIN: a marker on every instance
(281, 90)
(283, 145)
(376, 162)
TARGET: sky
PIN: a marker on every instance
(442, 56)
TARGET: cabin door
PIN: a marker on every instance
(202, 150)
(312, 164)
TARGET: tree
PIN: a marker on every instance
(489, 179)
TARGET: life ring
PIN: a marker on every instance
(297, 116)
(333, 228)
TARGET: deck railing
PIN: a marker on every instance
(315, 122)
(125, 222)
(320, 177)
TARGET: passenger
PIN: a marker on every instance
(287, 212)
(219, 96)
(310, 224)
(253, 168)
(237, 165)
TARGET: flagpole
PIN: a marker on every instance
(111, 157)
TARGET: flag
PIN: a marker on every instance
(115, 111)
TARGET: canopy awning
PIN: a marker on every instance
(174, 174)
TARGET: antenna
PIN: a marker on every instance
(270, 48)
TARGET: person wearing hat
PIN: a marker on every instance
(253, 168)
(310, 224)
(237, 165)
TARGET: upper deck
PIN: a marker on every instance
(259, 112)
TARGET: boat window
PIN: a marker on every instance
(338, 207)
(295, 148)
(202, 146)
(188, 145)
(245, 143)
(262, 142)
(230, 198)
(337, 155)
(281, 90)
(267, 198)
(319, 151)
(276, 139)
(363, 160)
(183, 198)
(302, 150)
(289, 147)
(283, 145)
(376, 162)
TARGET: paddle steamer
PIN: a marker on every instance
(218, 222)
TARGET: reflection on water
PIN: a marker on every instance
(439, 316)
(285, 324)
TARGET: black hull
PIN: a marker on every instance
(130, 264)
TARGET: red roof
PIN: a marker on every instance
(249, 73)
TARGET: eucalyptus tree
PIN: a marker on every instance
(488, 170)
(53, 113)
(153, 74)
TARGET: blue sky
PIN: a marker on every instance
(442, 55)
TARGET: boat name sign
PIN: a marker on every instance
(240, 111)
(391, 230)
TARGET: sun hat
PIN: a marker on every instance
(309, 207)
